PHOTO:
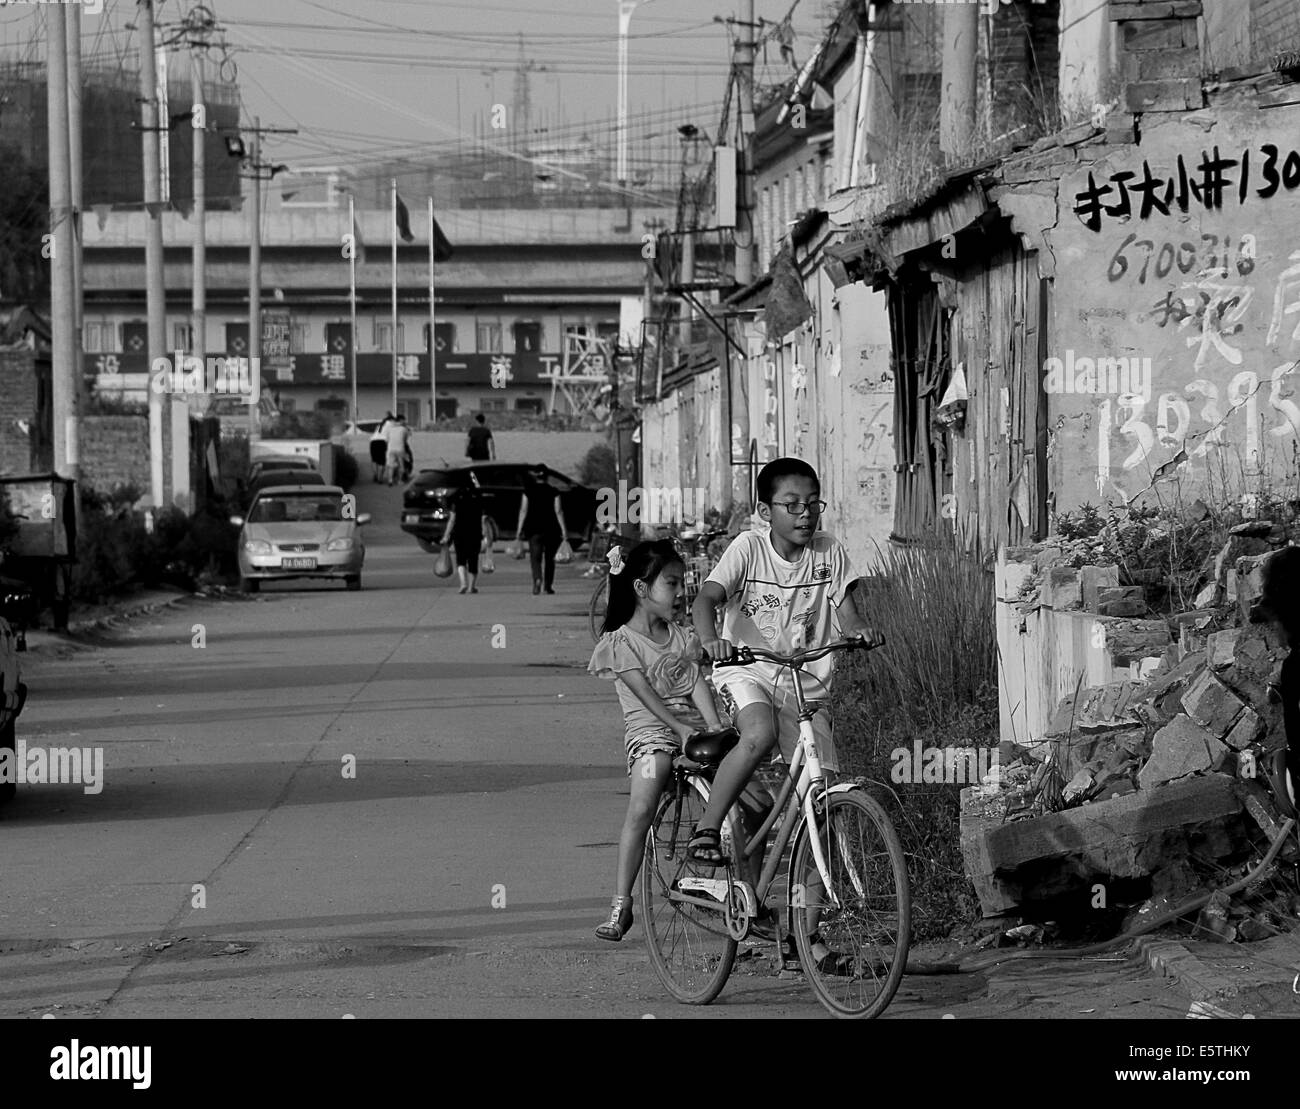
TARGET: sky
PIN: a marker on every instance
(406, 78)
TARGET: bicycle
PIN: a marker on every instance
(694, 549)
(847, 880)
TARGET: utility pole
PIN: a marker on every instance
(73, 38)
(744, 233)
(256, 166)
(255, 287)
(155, 294)
(62, 311)
(957, 99)
(199, 28)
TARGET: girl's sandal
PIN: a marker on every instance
(620, 920)
(705, 847)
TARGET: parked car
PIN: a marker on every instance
(267, 478)
(299, 531)
(231, 412)
(426, 503)
(278, 462)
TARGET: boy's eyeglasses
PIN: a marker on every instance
(795, 508)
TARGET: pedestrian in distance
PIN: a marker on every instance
(479, 444)
(655, 664)
(784, 590)
(398, 436)
(379, 448)
(465, 532)
(541, 525)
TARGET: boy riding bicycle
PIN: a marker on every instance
(785, 590)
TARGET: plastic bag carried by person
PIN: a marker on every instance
(442, 567)
(564, 553)
(487, 564)
(516, 550)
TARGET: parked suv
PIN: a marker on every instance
(426, 504)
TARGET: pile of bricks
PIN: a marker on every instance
(1151, 772)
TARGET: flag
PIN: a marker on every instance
(358, 247)
(404, 222)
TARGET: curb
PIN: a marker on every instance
(143, 606)
(1170, 959)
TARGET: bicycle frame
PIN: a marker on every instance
(795, 805)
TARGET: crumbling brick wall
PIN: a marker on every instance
(1024, 64)
(115, 452)
(1275, 26)
(20, 392)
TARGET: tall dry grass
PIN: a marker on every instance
(934, 682)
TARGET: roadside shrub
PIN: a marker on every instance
(598, 468)
(934, 682)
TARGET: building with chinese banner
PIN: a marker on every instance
(513, 284)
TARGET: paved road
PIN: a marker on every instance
(482, 772)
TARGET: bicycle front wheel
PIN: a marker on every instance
(866, 919)
(690, 948)
(596, 609)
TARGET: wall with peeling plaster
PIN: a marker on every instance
(1212, 297)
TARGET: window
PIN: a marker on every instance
(492, 404)
(237, 339)
(528, 337)
(182, 333)
(530, 404)
(288, 404)
(97, 338)
(446, 335)
(765, 227)
(298, 338)
(489, 337)
(384, 336)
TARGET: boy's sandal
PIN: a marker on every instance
(705, 847)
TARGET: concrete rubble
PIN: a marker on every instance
(1156, 783)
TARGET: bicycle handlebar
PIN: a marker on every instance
(744, 656)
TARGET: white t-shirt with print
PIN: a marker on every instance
(783, 606)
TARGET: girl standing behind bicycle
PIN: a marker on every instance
(661, 690)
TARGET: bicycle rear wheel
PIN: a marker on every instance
(596, 609)
(690, 948)
(867, 921)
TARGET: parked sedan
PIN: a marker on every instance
(426, 504)
(277, 462)
(300, 531)
(265, 479)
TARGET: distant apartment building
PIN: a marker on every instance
(515, 282)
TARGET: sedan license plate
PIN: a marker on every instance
(411, 518)
(298, 564)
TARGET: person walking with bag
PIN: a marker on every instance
(541, 526)
(465, 532)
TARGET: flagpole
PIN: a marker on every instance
(433, 341)
(352, 301)
(393, 229)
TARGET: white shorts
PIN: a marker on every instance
(740, 690)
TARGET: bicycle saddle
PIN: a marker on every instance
(709, 748)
